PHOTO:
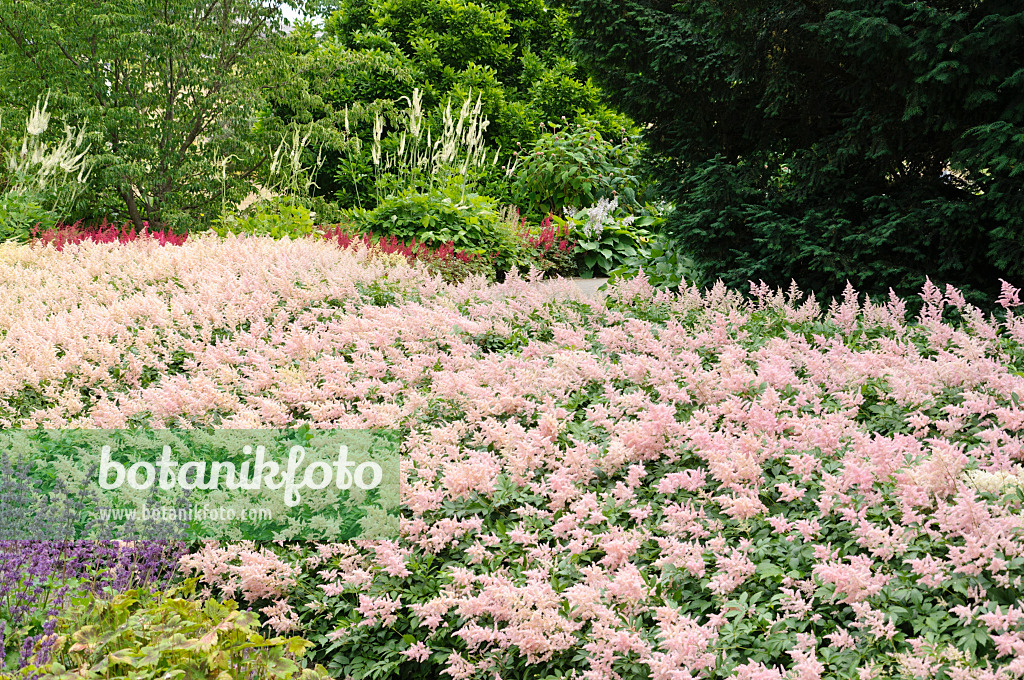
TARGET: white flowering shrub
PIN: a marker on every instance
(43, 180)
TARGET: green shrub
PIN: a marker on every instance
(515, 54)
(141, 635)
(574, 166)
(876, 142)
(278, 218)
(469, 222)
(20, 215)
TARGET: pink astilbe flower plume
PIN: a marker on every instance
(649, 484)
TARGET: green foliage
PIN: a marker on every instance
(605, 238)
(558, 92)
(440, 33)
(574, 166)
(171, 86)
(513, 248)
(435, 218)
(337, 90)
(601, 254)
(468, 222)
(43, 179)
(411, 157)
(277, 218)
(20, 215)
(143, 635)
(663, 263)
(872, 141)
(448, 36)
(373, 54)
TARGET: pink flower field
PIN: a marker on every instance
(651, 485)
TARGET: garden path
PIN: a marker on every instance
(589, 287)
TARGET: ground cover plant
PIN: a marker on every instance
(39, 579)
(145, 634)
(649, 486)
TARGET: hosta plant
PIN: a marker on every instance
(435, 217)
(606, 238)
(665, 264)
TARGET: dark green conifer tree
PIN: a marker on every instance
(875, 141)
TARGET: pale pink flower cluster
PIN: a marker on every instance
(855, 579)
(242, 570)
(635, 453)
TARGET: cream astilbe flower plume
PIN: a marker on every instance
(39, 118)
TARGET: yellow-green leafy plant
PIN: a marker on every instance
(275, 217)
(144, 635)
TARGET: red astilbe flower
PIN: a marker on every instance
(413, 251)
(104, 232)
(550, 237)
(451, 264)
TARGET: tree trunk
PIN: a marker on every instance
(133, 209)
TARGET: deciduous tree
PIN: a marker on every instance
(169, 88)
